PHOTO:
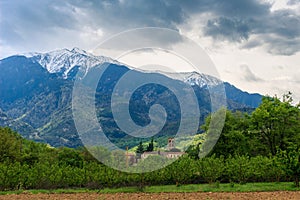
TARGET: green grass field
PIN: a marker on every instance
(224, 187)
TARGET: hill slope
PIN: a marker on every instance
(36, 94)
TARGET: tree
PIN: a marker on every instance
(150, 146)
(213, 128)
(140, 150)
(239, 169)
(291, 160)
(276, 122)
(10, 145)
(70, 157)
(211, 168)
(193, 151)
(233, 138)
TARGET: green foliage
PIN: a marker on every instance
(239, 169)
(150, 146)
(244, 153)
(140, 150)
(272, 126)
(10, 145)
(233, 139)
(193, 151)
(223, 187)
(70, 157)
(213, 129)
(211, 168)
(276, 123)
(291, 160)
(266, 169)
(180, 172)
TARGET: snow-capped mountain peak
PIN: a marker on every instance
(193, 78)
(80, 51)
(202, 80)
(62, 61)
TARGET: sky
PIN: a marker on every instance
(254, 44)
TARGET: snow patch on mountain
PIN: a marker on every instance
(202, 80)
(191, 78)
(62, 61)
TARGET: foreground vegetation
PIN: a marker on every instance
(261, 147)
(223, 187)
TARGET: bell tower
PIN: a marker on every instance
(171, 143)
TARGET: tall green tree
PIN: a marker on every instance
(140, 150)
(291, 160)
(193, 151)
(10, 145)
(150, 146)
(276, 122)
(213, 128)
(233, 138)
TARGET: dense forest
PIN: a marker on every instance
(261, 146)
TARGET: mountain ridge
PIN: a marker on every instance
(39, 100)
(62, 61)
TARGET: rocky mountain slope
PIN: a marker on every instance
(36, 95)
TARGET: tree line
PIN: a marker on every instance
(261, 146)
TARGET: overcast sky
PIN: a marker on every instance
(255, 44)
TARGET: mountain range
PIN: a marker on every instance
(36, 95)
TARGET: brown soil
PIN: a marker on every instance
(158, 196)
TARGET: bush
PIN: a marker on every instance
(238, 169)
(211, 168)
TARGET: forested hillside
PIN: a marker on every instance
(257, 147)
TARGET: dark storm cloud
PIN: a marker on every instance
(281, 46)
(229, 8)
(285, 23)
(149, 37)
(230, 29)
(20, 20)
(119, 15)
(25, 24)
(35, 16)
(232, 20)
(279, 30)
(132, 14)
